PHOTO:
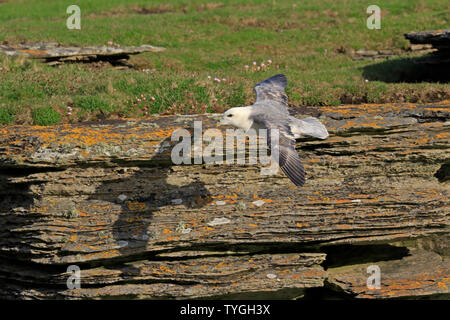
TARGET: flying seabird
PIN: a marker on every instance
(270, 111)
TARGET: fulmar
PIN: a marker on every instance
(270, 111)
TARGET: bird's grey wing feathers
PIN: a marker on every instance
(290, 163)
(272, 89)
(309, 126)
(288, 158)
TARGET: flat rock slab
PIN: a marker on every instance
(389, 53)
(437, 38)
(420, 273)
(54, 52)
(201, 276)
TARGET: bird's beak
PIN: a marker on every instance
(222, 121)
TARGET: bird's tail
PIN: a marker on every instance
(309, 127)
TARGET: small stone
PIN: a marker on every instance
(271, 276)
(367, 53)
(386, 52)
(121, 198)
(186, 231)
(122, 243)
(141, 237)
(177, 201)
(258, 203)
(218, 221)
(220, 203)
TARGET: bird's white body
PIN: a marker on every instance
(240, 118)
(270, 111)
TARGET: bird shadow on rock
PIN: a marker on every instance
(137, 196)
(15, 201)
(409, 70)
(443, 173)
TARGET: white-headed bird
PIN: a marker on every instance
(270, 111)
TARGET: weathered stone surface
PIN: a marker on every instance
(419, 273)
(107, 197)
(439, 39)
(363, 54)
(53, 53)
(190, 278)
(420, 47)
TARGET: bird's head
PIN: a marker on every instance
(237, 117)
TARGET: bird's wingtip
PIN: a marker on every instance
(280, 78)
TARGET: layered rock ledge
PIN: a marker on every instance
(54, 53)
(107, 198)
(439, 39)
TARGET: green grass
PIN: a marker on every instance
(92, 103)
(216, 39)
(45, 116)
(6, 116)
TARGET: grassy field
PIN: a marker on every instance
(309, 41)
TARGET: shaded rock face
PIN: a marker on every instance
(417, 273)
(439, 39)
(107, 198)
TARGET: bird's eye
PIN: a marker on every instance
(229, 116)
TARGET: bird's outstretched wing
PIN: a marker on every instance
(309, 126)
(272, 89)
(282, 142)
